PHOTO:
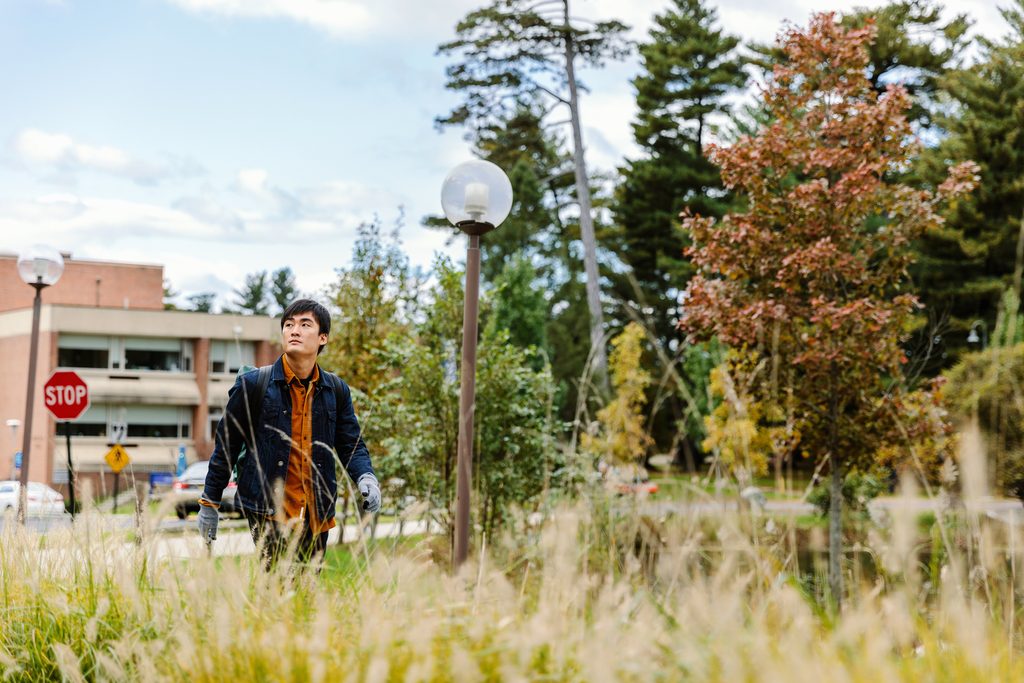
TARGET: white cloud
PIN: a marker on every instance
(252, 180)
(42, 150)
(339, 18)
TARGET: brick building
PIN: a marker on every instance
(160, 375)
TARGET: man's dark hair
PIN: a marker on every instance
(320, 314)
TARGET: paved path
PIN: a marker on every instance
(231, 543)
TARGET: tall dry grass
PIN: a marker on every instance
(600, 591)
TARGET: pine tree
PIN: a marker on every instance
(169, 295)
(516, 51)
(689, 66)
(252, 298)
(913, 47)
(967, 263)
(282, 287)
(541, 175)
(202, 302)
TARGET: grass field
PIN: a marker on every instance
(595, 593)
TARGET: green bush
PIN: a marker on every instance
(859, 489)
(986, 385)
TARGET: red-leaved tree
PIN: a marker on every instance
(812, 277)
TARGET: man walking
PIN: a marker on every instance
(293, 419)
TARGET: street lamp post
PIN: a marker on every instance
(39, 267)
(476, 197)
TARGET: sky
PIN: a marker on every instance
(223, 137)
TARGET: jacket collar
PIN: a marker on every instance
(277, 373)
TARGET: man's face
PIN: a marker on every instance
(301, 335)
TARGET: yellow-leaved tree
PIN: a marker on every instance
(621, 438)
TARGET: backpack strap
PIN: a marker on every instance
(256, 393)
(335, 383)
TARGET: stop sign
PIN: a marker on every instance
(66, 395)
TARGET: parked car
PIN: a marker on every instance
(42, 500)
(187, 488)
(626, 480)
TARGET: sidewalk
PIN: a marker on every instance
(236, 543)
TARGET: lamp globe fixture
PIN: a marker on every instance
(40, 264)
(476, 196)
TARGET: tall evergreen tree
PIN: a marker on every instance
(169, 295)
(516, 50)
(202, 302)
(914, 47)
(689, 67)
(282, 287)
(253, 296)
(541, 175)
(967, 263)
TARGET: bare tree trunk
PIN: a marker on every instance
(586, 214)
(835, 511)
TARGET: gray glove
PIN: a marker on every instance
(370, 489)
(208, 519)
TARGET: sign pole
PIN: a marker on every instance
(71, 469)
(117, 477)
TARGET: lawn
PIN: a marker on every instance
(594, 593)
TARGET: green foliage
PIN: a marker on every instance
(986, 386)
(967, 262)
(202, 302)
(371, 300)
(689, 68)
(282, 288)
(859, 489)
(515, 430)
(414, 413)
(512, 52)
(252, 297)
(518, 306)
(1009, 322)
(169, 293)
(913, 47)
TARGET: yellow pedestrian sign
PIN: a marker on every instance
(117, 458)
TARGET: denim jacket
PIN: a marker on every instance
(264, 467)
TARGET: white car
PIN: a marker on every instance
(42, 500)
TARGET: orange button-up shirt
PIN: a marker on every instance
(299, 498)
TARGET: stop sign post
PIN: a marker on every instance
(66, 396)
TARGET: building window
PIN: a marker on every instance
(93, 422)
(125, 353)
(83, 351)
(211, 426)
(82, 358)
(150, 422)
(80, 428)
(138, 359)
(230, 356)
(159, 354)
